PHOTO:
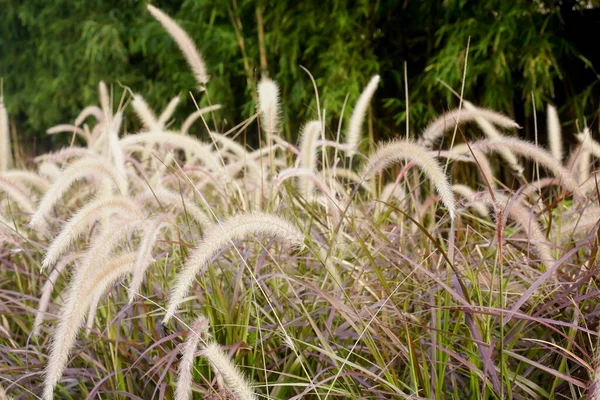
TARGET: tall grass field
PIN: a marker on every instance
(180, 262)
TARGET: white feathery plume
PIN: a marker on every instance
(144, 113)
(17, 193)
(83, 168)
(65, 155)
(102, 246)
(222, 235)
(406, 150)
(86, 112)
(50, 171)
(185, 127)
(29, 178)
(554, 133)
(185, 142)
(530, 150)
(583, 154)
(168, 112)
(92, 310)
(353, 136)
(484, 168)
(186, 45)
(84, 218)
(449, 120)
(66, 128)
(47, 290)
(144, 254)
(268, 105)
(5, 150)
(178, 202)
(105, 103)
(586, 139)
(104, 243)
(308, 155)
(198, 332)
(117, 157)
(232, 377)
(490, 131)
(468, 193)
(84, 286)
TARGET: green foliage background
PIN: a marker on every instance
(53, 54)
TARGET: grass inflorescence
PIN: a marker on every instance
(159, 265)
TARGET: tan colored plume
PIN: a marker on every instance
(186, 45)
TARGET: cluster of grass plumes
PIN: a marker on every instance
(295, 270)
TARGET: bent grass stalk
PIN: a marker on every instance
(81, 292)
(92, 212)
(81, 169)
(48, 288)
(491, 132)
(232, 377)
(401, 150)
(144, 253)
(533, 152)
(198, 334)
(186, 45)
(450, 119)
(234, 228)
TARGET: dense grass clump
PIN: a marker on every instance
(296, 270)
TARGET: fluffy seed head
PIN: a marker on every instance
(449, 120)
(531, 151)
(5, 151)
(144, 113)
(198, 332)
(232, 377)
(490, 131)
(554, 133)
(92, 212)
(268, 104)
(186, 45)
(308, 154)
(83, 168)
(84, 286)
(222, 235)
(358, 115)
(406, 150)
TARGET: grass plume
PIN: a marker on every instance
(186, 45)
(353, 136)
(223, 234)
(401, 150)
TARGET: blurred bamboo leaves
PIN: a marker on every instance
(53, 54)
